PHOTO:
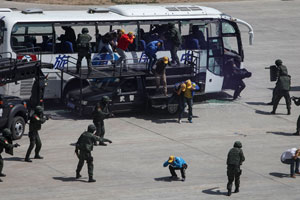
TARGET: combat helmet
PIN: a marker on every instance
(237, 144)
(84, 30)
(91, 128)
(278, 62)
(6, 132)
(105, 99)
(39, 109)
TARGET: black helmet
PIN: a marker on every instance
(84, 30)
(105, 99)
(6, 132)
(278, 62)
(91, 128)
(39, 109)
(237, 144)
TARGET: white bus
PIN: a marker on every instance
(30, 29)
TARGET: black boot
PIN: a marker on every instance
(2, 175)
(297, 133)
(91, 180)
(78, 175)
(229, 193)
(28, 160)
(1, 180)
(289, 111)
(102, 144)
(236, 190)
(38, 157)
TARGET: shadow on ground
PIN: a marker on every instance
(279, 175)
(257, 103)
(68, 179)
(280, 133)
(261, 112)
(214, 191)
(167, 179)
(14, 159)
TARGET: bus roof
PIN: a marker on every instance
(113, 13)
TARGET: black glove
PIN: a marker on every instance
(16, 145)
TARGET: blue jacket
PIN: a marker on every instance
(152, 47)
(178, 162)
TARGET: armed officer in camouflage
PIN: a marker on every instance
(84, 49)
(6, 143)
(283, 86)
(101, 112)
(235, 158)
(83, 149)
(36, 121)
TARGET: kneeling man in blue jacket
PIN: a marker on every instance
(176, 163)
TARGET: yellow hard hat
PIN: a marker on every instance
(188, 84)
(122, 31)
(166, 59)
(130, 33)
(171, 159)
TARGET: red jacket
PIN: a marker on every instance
(124, 41)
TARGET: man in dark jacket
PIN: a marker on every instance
(36, 121)
(108, 41)
(160, 73)
(84, 49)
(6, 143)
(283, 86)
(84, 147)
(174, 37)
(101, 112)
(235, 158)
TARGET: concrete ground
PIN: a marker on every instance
(131, 167)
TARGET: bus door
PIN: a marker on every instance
(233, 50)
(215, 53)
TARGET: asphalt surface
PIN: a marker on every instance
(131, 167)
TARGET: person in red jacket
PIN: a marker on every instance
(123, 43)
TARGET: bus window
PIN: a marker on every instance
(129, 27)
(2, 29)
(230, 41)
(213, 29)
(230, 44)
(31, 37)
(65, 42)
(227, 28)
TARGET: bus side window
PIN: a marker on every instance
(2, 29)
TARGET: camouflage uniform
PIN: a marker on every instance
(84, 49)
(174, 37)
(36, 121)
(100, 113)
(6, 143)
(283, 86)
(235, 158)
(84, 146)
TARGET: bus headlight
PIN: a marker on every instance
(84, 103)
